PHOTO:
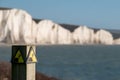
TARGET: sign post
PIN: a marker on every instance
(23, 62)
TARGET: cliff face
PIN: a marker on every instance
(52, 33)
(83, 35)
(63, 36)
(17, 27)
(116, 41)
(103, 37)
(45, 32)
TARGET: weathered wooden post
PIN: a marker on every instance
(23, 62)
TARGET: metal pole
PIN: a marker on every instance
(23, 62)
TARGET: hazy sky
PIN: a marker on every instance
(93, 13)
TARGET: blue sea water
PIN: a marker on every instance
(75, 62)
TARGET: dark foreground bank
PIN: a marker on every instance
(5, 73)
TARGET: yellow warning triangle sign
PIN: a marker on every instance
(31, 56)
(18, 57)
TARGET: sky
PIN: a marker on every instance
(92, 13)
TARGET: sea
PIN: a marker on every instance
(75, 62)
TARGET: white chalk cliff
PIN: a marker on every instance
(116, 41)
(44, 32)
(52, 33)
(103, 37)
(17, 27)
(83, 35)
